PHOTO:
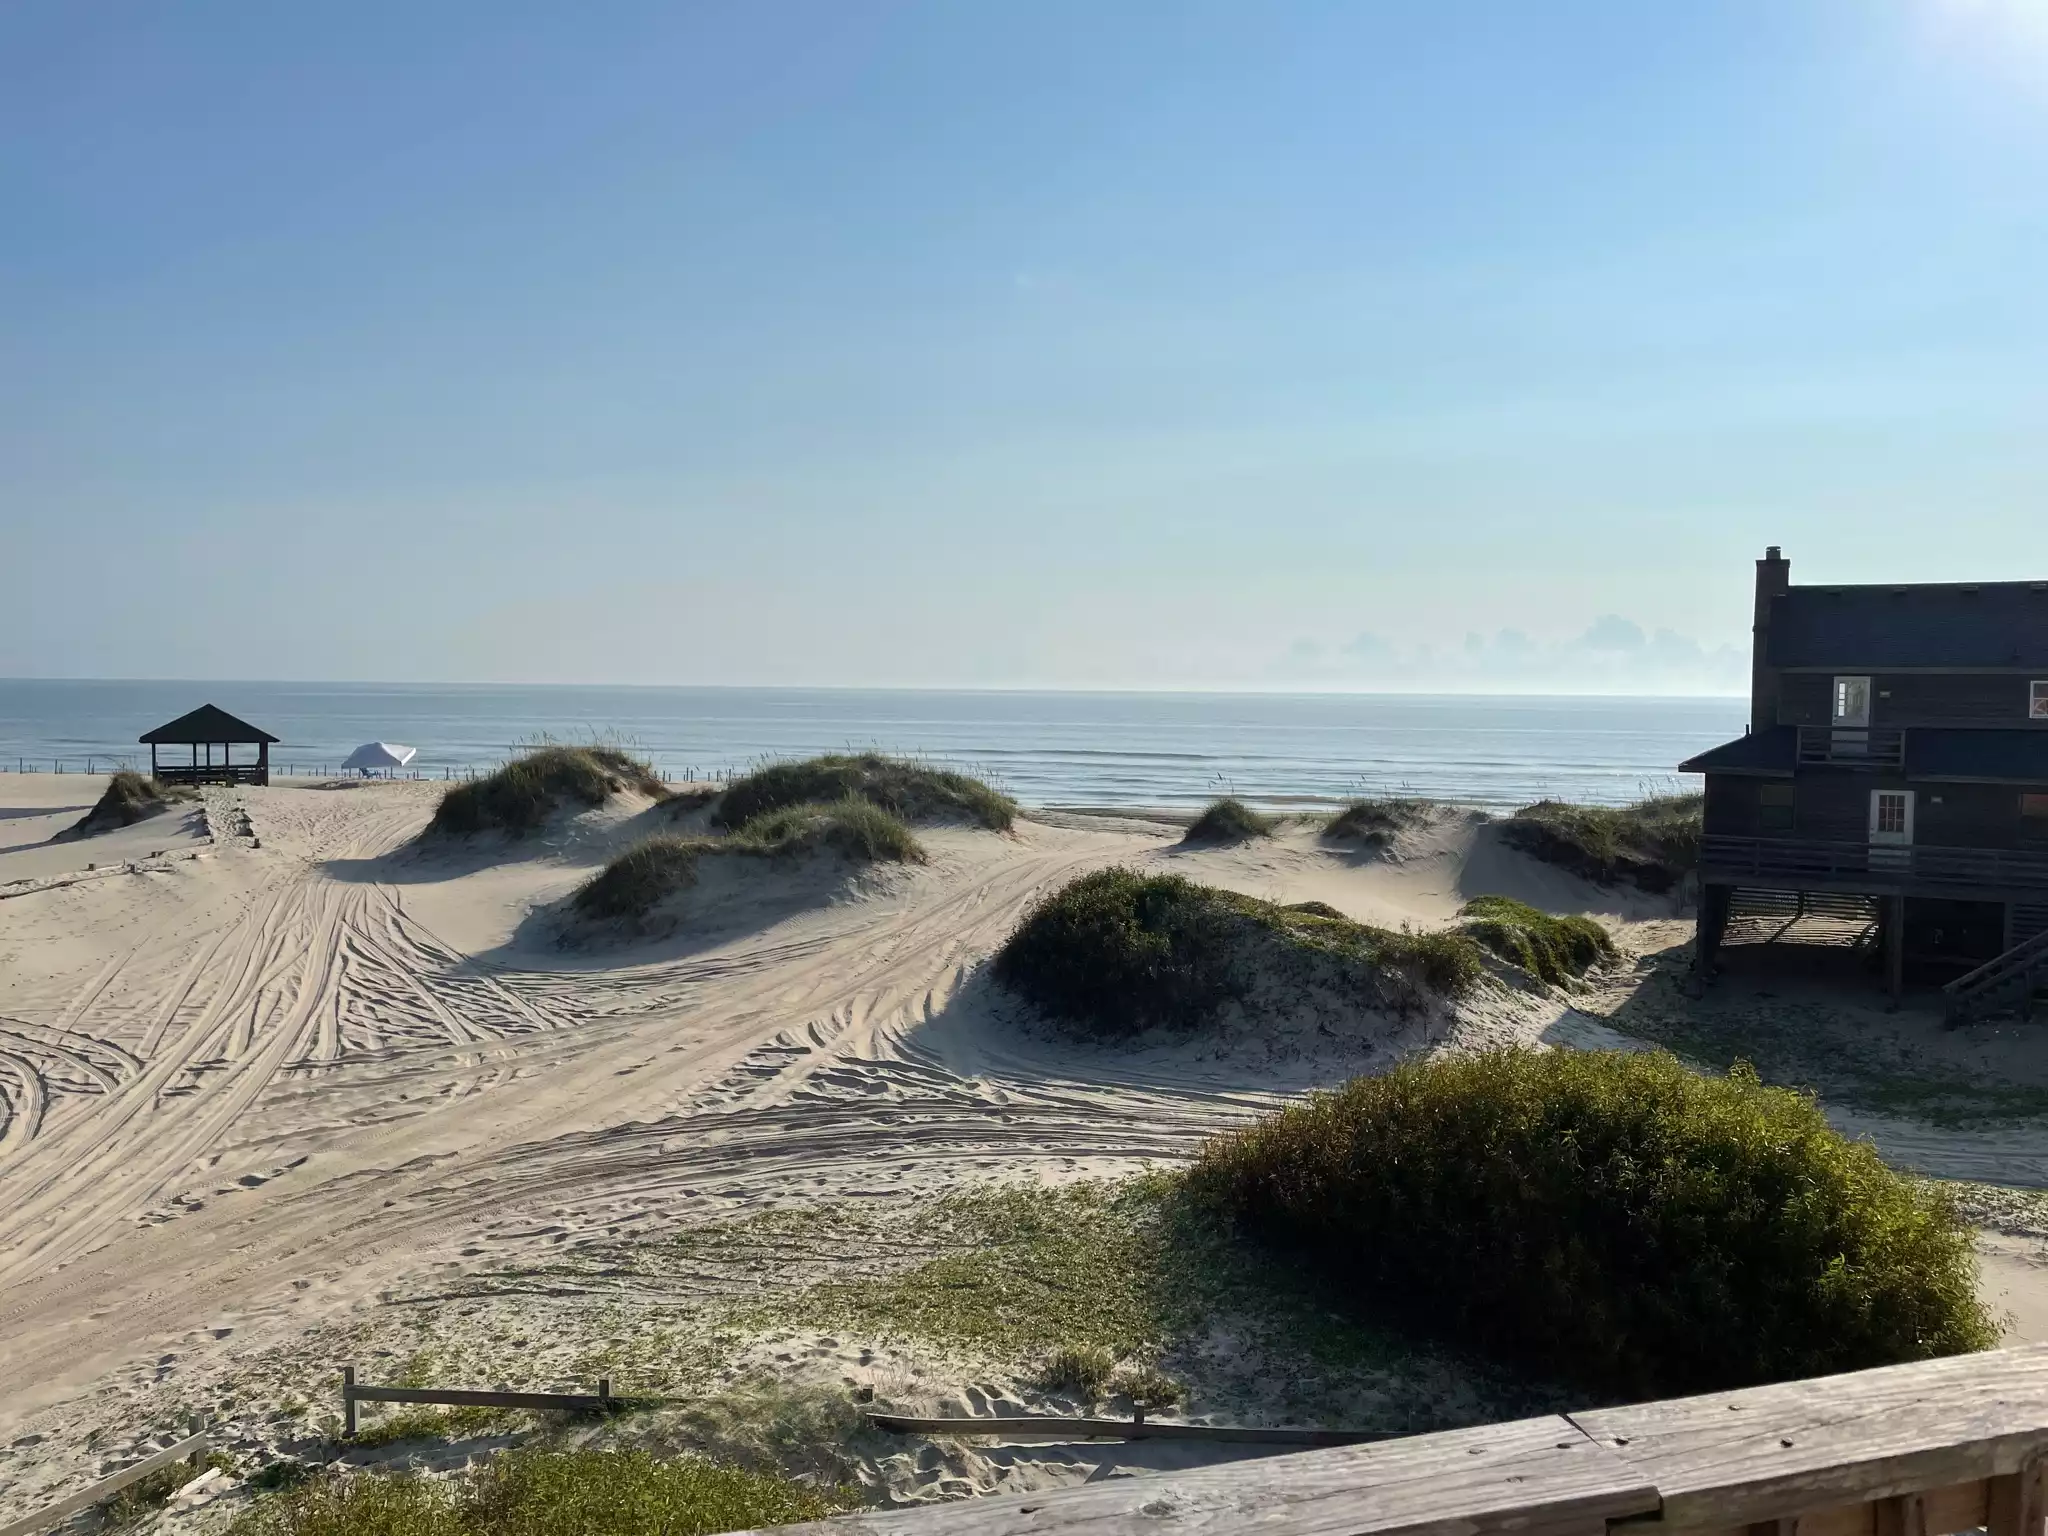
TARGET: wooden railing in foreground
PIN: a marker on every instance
(1908, 1450)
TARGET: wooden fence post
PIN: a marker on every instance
(348, 1401)
(2015, 1503)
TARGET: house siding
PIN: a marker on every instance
(1914, 698)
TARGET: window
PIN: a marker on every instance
(1774, 808)
(2037, 700)
(1852, 701)
(1889, 815)
(2034, 807)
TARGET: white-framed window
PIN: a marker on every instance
(1891, 815)
(1851, 702)
(2037, 699)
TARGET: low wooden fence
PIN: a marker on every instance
(1911, 1450)
(193, 1449)
(352, 1393)
(1032, 1427)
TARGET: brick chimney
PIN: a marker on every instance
(1773, 578)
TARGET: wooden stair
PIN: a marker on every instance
(2004, 982)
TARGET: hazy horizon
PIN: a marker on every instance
(597, 684)
(1304, 347)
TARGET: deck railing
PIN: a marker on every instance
(1909, 1450)
(1852, 746)
(1876, 866)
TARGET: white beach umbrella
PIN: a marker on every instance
(379, 754)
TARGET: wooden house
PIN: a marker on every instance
(204, 730)
(1897, 751)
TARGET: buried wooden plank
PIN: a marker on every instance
(1767, 1454)
(107, 1487)
(1537, 1477)
(568, 1402)
(1048, 1427)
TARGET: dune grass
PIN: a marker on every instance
(1229, 821)
(537, 1492)
(128, 798)
(1614, 1219)
(912, 792)
(1375, 823)
(519, 797)
(426, 1423)
(1655, 843)
(1556, 949)
(851, 827)
(651, 871)
(1116, 952)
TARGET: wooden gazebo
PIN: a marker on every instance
(208, 727)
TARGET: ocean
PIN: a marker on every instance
(1151, 749)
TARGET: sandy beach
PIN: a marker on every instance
(286, 1090)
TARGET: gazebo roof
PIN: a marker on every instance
(207, 723)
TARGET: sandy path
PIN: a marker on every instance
(279, 1087)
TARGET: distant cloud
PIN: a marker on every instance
(1611, 632)
(1369, 647)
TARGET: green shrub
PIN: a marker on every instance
(629, 1493)
(639, 879)
(910, 791)
(532, 1492)
(128, 798)
(1229, 821)
(1374, 823)
(519, 797)
(1614, 1219)
(1554, 948)
(1654, 842)
(1116, 952)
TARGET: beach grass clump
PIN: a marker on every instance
(640, 879)
(1613, 1219)
(1556, 949)
(128, 798)
(1654, 843)
(1375, 823)
(850, 827)
(1229, 821)
(1084, 1370)
(1117, 953)
(654, 869)
(537, 1492)
(912, 792)
(519, 797)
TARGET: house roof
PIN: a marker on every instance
(1770, 753)
(207, 723)
(1981, 624)
(1988, 756)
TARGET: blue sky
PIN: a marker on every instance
(1350, 345)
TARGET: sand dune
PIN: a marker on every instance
(254, 1089)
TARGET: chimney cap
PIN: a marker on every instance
(1773, 553)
